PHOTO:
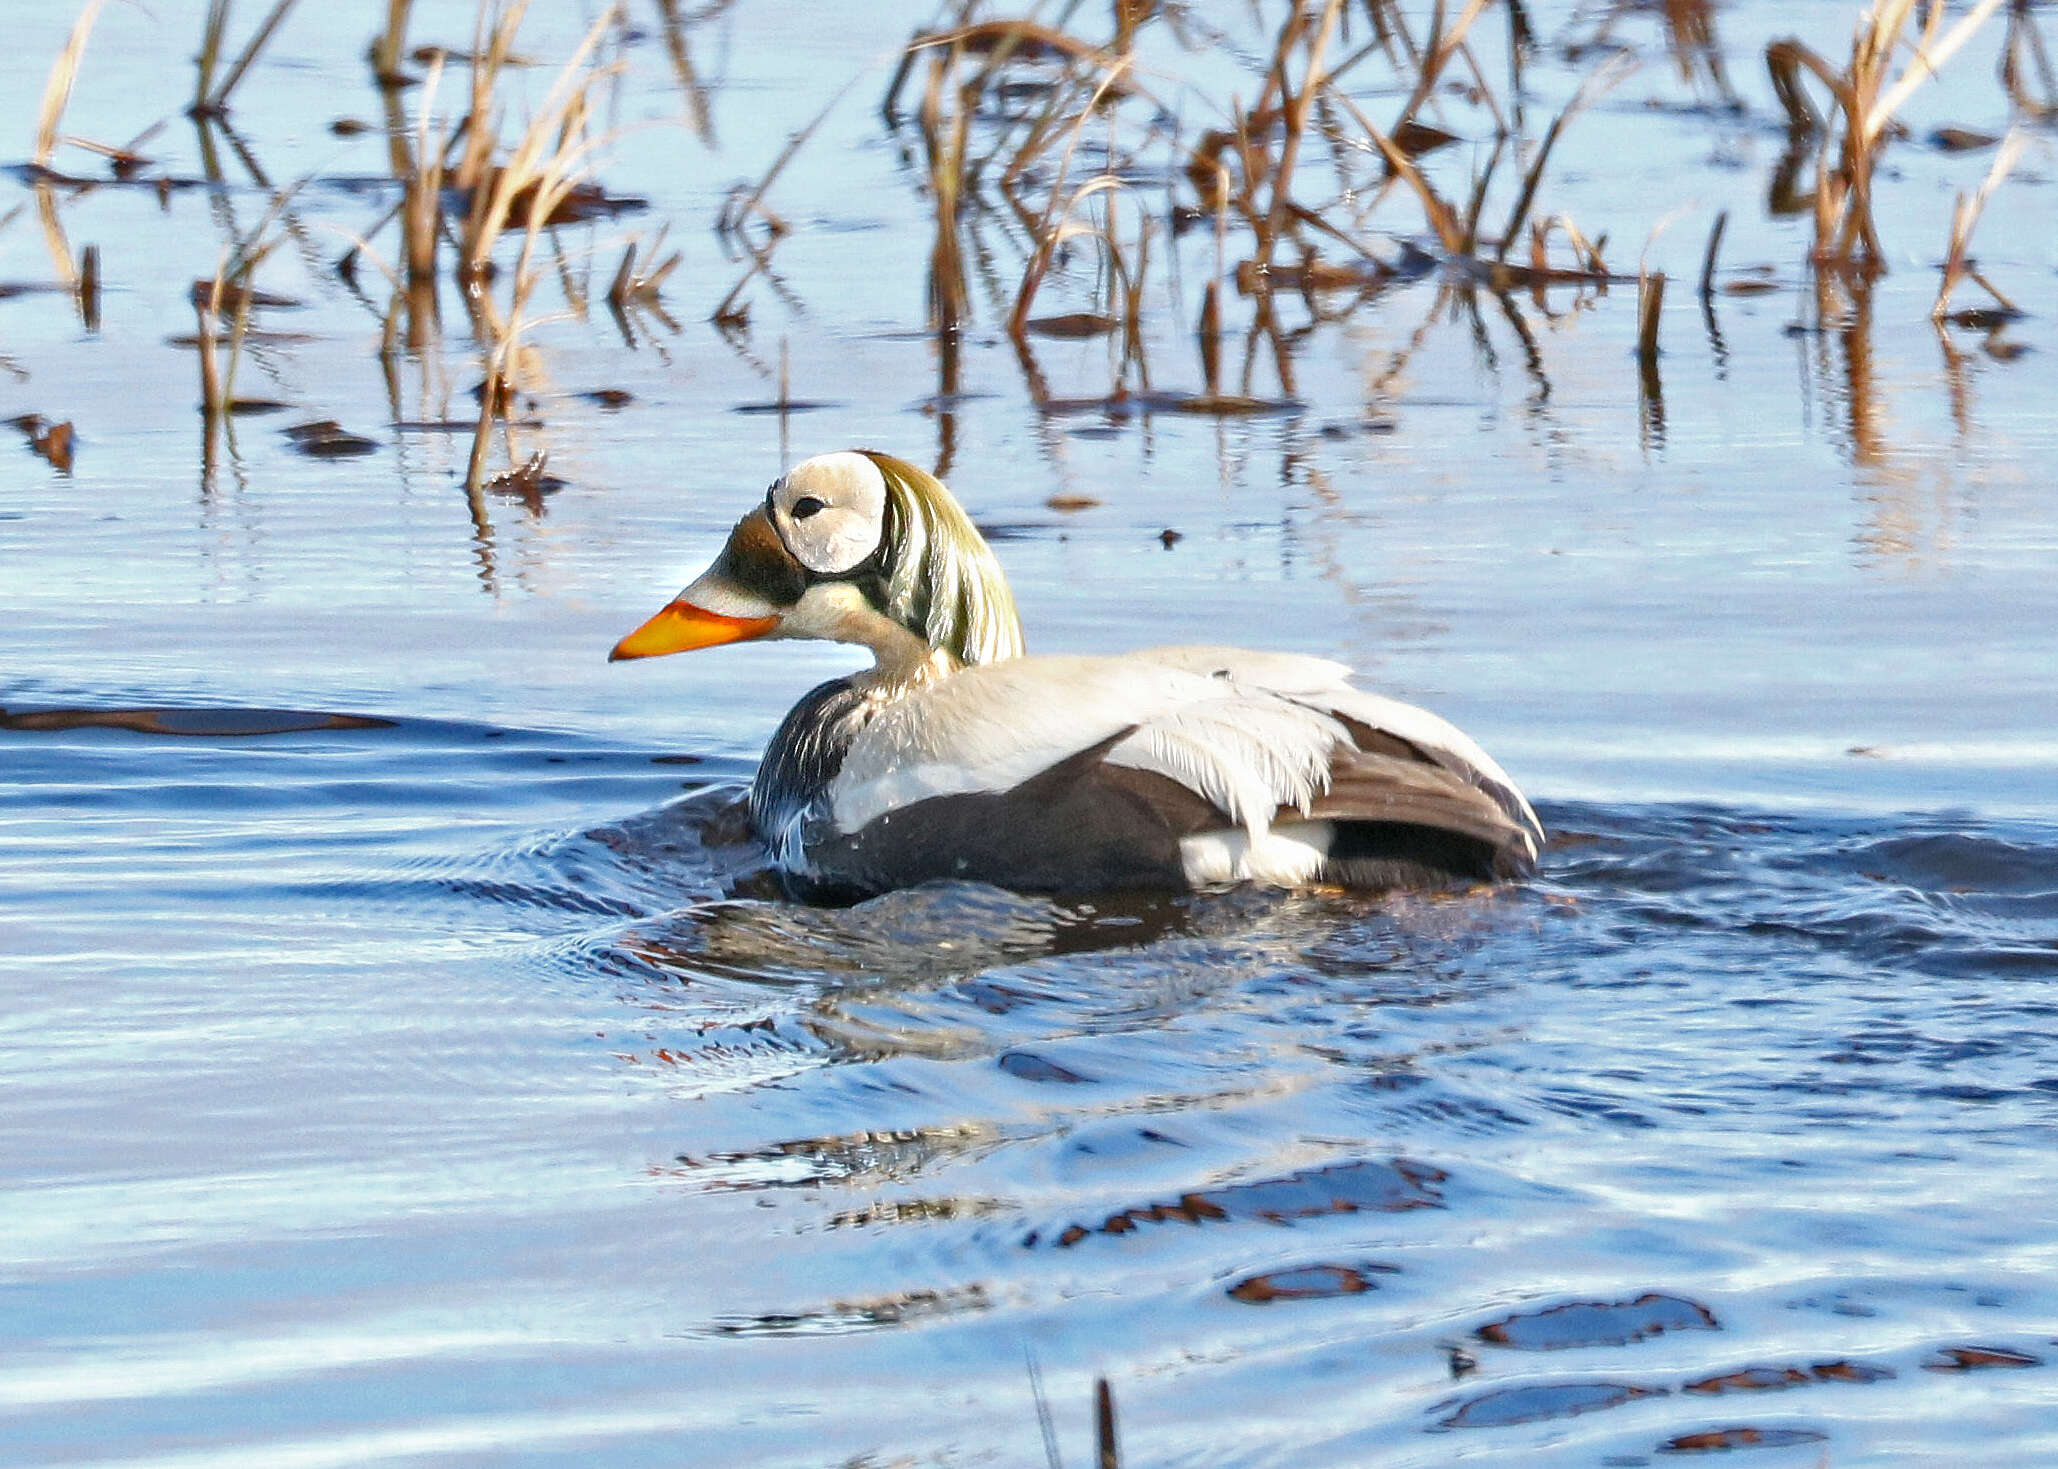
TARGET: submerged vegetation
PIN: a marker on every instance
(1132, 175)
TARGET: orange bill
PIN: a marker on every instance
(681, 627)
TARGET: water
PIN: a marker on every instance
(407, 1060)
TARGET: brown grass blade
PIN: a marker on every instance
(1590, 91)
(1927, 59)
(1107, 1452)
(218, 102)
(391, 44)
(57, 91)
(1714, 249)
(1964, 218)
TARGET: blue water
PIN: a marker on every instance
(406, 1058)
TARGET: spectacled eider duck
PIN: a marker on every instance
(955, 756)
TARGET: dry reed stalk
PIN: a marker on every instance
(57, 91)
(1053, 122)
(212, 31)
(2025, 40)
(1590, 91)
(1588, 267)
(1650, 302)
(1450, 231)
(213, 400)
(1209, 333)
(421, 198)
(630, 286)
(1002, 38)
(1783, 64)
(54, 240)
(1846, 235)
(1929, 57)
(89, 287)
(735, 216)
(737, 211)
(1708, 259)
(493, 37)
(390, 44)
(1964, 218)
(1294, 112)
(1475, 210)
(1442, 47)
(699, 116)
(1051, 230)
(945, 140)
(213, 101)
(550, 178)
(232, 285)
(122, 161)
(548, 159)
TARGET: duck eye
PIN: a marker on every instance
(805, 506)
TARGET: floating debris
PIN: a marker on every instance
(54, 441)
(236, 298)
(1717, 1440)
(1309, 1283)
(1984, 318)
(1961, 140)
(1974, 1359)
(787, 405)
(1413, 139)
(1842, 1371)
(88, 288)
(1073, 324)
(1340, 1188)
(1028, 1066)
(226, 723)
(1539, 1401)
(253, 334)
(610, 397)
(527, 482)
(1751, 1379)
(505, 398)
(1598, 1323)
(324, 438)
(576, 205)
(454, 425)
(1070, 504)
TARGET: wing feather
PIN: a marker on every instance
(1261, 737)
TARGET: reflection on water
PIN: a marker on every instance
(448, 1080)
(1729, 1107)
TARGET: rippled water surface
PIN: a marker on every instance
(407, 1059)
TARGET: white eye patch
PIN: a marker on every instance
(831, 511)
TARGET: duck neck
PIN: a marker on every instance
(904, 663)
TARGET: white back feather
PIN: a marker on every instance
(1248, 753)
(1249, 731)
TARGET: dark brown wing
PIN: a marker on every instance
(1399, 818)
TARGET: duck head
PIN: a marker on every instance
(856, 547)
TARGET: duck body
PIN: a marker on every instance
(957, 758)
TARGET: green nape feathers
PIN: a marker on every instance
(943, 580)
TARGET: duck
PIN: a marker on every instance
(959, 757)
